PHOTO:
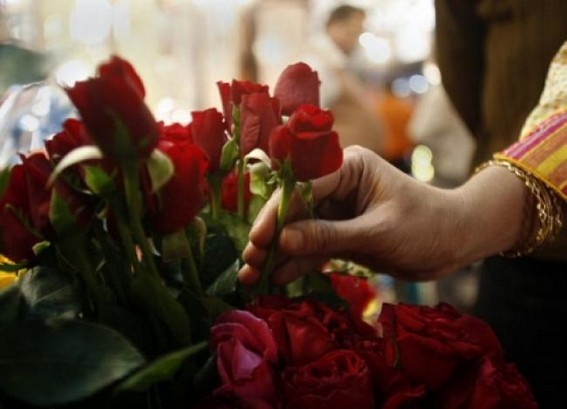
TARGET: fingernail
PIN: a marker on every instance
(293, 239)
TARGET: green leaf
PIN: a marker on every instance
(207, 376)
(229, 155)
(170, 319)
(226, 283)
(77, 155)
(175, 246)
(62, 361)
(12, 268)
(60, 215)
(197, 233)
(160, 169)
(11, 304)
(260, 180)
(201, 319)
(48, 293)
(162, 369)
(255, 205)
(216, 306)
(98, 181)
(220, 253)
(236, 228)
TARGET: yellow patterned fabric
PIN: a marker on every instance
(542, 148)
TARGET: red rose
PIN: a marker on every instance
(229, 191)
(355, 291)
(490, 384)
(339, 379)
(174, 131)
(231, 96)
(304, 331)
(500, 385)
(112, 107)
(181, 198)
(16, 235)
(309, 142)
(392, 389)
(73, 135)
(259, 115)
(246, 358)
(240, 88)
(25, 207)
(226, 401)
(439, 338)
(298, 84)
(208, 130)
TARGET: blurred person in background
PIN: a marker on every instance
(329, 52)
(436, 125)
(494, 56)
(396, 113)
(271, 37)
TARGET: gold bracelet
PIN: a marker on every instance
(549, 211)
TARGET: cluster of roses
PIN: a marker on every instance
(112, 199)
(284, 353)
(200, 157)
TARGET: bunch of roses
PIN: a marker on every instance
(284, 353)
(178, 168)
(113, 199)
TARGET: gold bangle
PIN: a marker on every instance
(548, 208)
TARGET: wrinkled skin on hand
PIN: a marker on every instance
(363, 217)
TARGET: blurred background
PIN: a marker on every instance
(181, 48)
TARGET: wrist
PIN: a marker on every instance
(493, 212)
(543, 215)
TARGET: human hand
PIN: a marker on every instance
(370, 213)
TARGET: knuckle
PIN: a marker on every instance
(324, 237)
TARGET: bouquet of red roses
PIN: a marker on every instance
(125, 237)
(303, 354)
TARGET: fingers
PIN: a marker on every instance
(249, 275)
(334, 186)
(314, 240)
(295, 267)
(285, 273)
(324, 237)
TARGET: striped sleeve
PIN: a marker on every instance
(542, 148)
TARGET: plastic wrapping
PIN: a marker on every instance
(30, 114)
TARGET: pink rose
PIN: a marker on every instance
(246, 359)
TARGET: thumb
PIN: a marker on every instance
(320, 237)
